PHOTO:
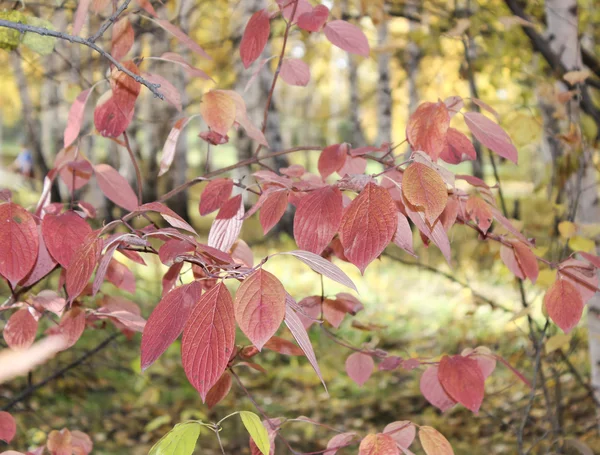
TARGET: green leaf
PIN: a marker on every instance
(181, 440)
(10, 38)
(257, 431)
(43, 45)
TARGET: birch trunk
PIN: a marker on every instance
(384, 91)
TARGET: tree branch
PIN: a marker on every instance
(84, 42)
(111, 20)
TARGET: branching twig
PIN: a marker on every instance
(84, 42)
(111, 20)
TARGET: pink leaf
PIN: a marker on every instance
(182, 37)
(317, 219)
(227, 225)
(19, 243)
(332, 159)
(75, 118)
(339, 441)
(63, 234)
(432, 389)
(20, 329)
(72, 325)
(260, 306)
(80, 15)
(315, 20)
(491, 135)
(298, 331)
(8, 427)
(208, 339)
(273, 209)
(169, 215)
(122, 39)
(169, 91)
(171, 145)
(187, 67)
(256, 35)
(109, 119)
(324, 267)
(403, 237)
(353, 165)
(403, 432)
(368, 225)
(463, 380)
(347, 37)
(564, 304)
(115, 187)
(359, 367)
(167, 320)
(458, 148)
(295, 72)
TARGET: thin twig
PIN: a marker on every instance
(111, 20)
(84, 42)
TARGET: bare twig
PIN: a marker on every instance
(111, 20)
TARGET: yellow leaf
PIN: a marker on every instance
(567, 229)
(557, 342)
(43, 45)
(524, 312)
(575, 77)
(257, 431)
(546, 277)
(579, 243)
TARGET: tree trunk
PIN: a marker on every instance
(582, 188)
(384, 91)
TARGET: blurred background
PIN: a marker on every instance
(414, 307)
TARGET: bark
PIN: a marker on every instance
(582, 188)
(384, 91)
(413, 56)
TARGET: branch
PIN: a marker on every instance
(34, 387)
(75, 39)
(111, 20)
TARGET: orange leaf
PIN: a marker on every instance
(434, 442)
(378, 444)
(427, 127)
(423, 187)
(564, 304)
(218, 111)
(480, 212)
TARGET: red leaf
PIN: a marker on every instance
(63, 234)
(110, 120)
(170, 92)
(115, 187)
(583, 276)
(463, 380)
(432, 389)
(182, 37)
(457, 148)
(403, 432)
(338, 442)
(48, 300)
(167, 320)
(309, 310)
(219, 390)
(520, 260)
(294, 324)
(347, 37)
(287, 8)
(218, 111)
(317, 219)
(120, 276)
(242, 254)
(273, 209)
(75, 118)
(332, 158)
(227, 225)
(324, 267)
(368, 225)
(8, 427)
(564, 304)
(378, 444)
(353, 165)
(260, 306)
(283, 346)
(479, 212)
(171, 145)
(19, 242)
(491, 135)
(314, 20)
(433, 442)
(122, 39)
(295, 72)
(125, 89)
(20, 329)
(208, 339)
(82, 265)
(169, 279)
(74, 178)
(334, 312)
(427, 127)
(454, 104)
(403, 237)
(424, 187)
(360, 367)
(255, 37)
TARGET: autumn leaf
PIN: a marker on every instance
(359, 367)
(427, 127)
(218, 111)
(433, 442)
(491, 135)
(347, 37)
(463, 380)
(216, 193)
(564, 304)
(63, 234)
(255, 37)
(423, 187)
(378, 444)
(20, 329)
(18, 242)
